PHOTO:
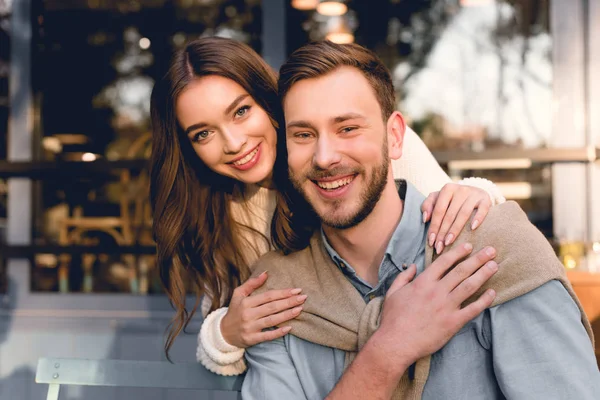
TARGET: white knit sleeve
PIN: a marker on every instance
(214, 352)
(487, 185)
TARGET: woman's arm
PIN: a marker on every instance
(227, 331)
(449, 206)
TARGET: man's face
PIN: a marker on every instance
(337, 146)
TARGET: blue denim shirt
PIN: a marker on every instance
(532, 347)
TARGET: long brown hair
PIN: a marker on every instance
(294, 220)
(196, 237)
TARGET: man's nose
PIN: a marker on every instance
(234, 141)
(326, 153)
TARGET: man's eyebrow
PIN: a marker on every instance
(235, 103)
(300, 124)
(345, 117)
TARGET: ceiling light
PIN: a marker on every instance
(305, 5)
(332, 8)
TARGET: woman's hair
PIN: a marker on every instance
(197, 239)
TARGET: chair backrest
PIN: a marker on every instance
(125, 373)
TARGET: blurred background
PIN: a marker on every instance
(508, 90)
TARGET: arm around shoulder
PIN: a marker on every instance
(214, 352)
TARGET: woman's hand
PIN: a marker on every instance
(247, 316)
(450, 209)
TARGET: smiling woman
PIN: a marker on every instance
(228, 130)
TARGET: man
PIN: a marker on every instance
(350, 342)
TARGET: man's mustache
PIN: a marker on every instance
(317, 173)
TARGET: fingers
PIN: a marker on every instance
(482, 211)
(477, 307)
(246, 289)
(278, 306)
(266, 336)
(276, 319)
(402, 279)
(269, 296)
(454, 222)
(443, 263)
(463, 272)
(449, 218)
(427, 206)
(441, 205)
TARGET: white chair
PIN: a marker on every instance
(124, 373)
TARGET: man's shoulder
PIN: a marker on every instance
(283, 270)
(507, 222)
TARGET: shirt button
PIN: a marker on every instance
(372, 296)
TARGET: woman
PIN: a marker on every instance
(215, 115)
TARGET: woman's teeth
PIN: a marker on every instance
(246, 159)
(335, 184)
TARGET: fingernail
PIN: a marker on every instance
(492, 265)
(490, 251)
(300, 299)
(263, 273)
(295, 291)
(425, 217)
(439, 247)
(491, 293)
(474, 224)
(468, 246)
(286, 329)
(449, 239)
(431, 239)
(297, 310)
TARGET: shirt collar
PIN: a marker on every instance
(406, 242)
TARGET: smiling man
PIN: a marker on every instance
(368, 329)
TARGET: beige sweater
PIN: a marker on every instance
(417, 166)
(335, 314)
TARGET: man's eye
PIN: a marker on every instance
(199, 136)
(348, 129)
(302, 135)
(242, 111)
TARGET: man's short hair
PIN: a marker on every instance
(320, 58)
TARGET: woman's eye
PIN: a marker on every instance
(199, 136)
(242, 111)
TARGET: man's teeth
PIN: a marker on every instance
(246, 159)
(335, 184)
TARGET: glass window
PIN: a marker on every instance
(5, 12)
(95, 65)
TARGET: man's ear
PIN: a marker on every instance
(395, 131)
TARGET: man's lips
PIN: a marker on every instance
(333, 183)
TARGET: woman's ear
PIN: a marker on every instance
(395, 132)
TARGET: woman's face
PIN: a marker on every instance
(228, 130)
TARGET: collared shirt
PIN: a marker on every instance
(532, 347)
(406, 247)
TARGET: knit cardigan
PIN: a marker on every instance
(335, 314)
(417, 166)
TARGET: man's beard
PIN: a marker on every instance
(368, 198)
